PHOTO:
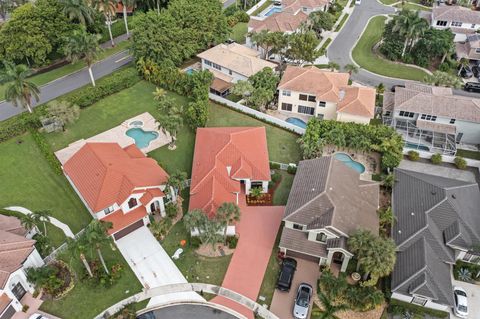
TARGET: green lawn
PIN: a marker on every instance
(468, 154)
(86, 300)
(28, 181)
(261, 8)
(280, 196)
(194, 267)
(271, 273)
(388, 2)
(54, 74)
(367, 59)
(342, 22)
(239, 31)
(413, 6)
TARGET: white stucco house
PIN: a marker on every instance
(460, 20)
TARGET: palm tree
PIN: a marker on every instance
(439, 78)
(360, 243)
(125, 5)
(27, 221)
(170, 119)
(379, 260)
(209, 229)
(77, 10)
(78, 247)
(329, 309)
(333, 66)
(464, 62)
(351, 68)
(410, 25)
(83, 45)
(159, 94)
(176, 181)
(19, 90)
(227, 214)
(108, 8)
(96, 236)
(41, 216)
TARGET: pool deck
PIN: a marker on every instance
(371, 161)
(283, 115)
(117, 135)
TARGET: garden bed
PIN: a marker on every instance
(64, 277)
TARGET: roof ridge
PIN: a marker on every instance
(304, 70)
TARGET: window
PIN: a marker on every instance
(387, 113)
(452, 121)
(303, 97)
(322, 104)
(312, 98)
(216, 66)
(287, 107)
(321, 237)
(286, 93)
(132, 202)
(477, 50)
(304, 9)
(208, 62)
(406, 114)
(108, 210)
(419, 301)
(297, 226)
(320, 116)
(306, 110)
(456, 24)
(230, 72)
(428, 117)
(472, 26)
(441, 23)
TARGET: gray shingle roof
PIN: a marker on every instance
(340, 242)
(297, 240)
(432, 212)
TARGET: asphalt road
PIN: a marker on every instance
(187, 312)
(69, 83)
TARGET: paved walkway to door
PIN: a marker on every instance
(257, 229)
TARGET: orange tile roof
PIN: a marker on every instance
(105, 173)
(150, 194)
(120, 220)
(119, 8)
(279, 22)
(325, 85)
(4, 302)
(358, 101)
(222, 154)
(14, 249)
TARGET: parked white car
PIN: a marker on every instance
(358, 2)
(461, 303)
(37, 316)
(302, 301)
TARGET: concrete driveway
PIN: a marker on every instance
(473, 293)
(152, 265)
(282, 302)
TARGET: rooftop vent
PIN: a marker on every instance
(341, 94)
(434, 193)
(412, 213)
(454, 196)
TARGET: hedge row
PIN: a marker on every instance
(17, 125)
(46, 151)
(397, 306)
(114, 83)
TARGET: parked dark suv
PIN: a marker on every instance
(284, 282)
(472, 87)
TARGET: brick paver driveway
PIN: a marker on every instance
(282, 302)
(258, 229)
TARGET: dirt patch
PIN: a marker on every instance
(372, 314)
(220, 250)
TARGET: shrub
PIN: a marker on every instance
(171, 210)
(413, 156)
(18, 125)
(460, 162)
(436, 158)
(232, 21)
(114, 83)
(195, 242)
(444, 67)
(473, 269)
(64, 111)
(46, 151)
(291, 169)
(274, 165)
(276, 177)
(242, 16)
(399, 307)
(232, 242)
(377, 177)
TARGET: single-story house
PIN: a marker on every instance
(460, 20)
(118, 185)
(17, 253)
(327, 203)
(437, 222)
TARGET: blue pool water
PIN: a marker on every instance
(189, 71)
(141, 137)
(347, 160)
(417, 147)
(272, 11)
(296, 121)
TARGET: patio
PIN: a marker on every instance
(370, 160)
(144, 121)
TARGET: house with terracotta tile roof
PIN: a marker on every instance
(231, 63)
(227, 163)
(323, 94)
(118, 185)
(460, 20)
(17, 253)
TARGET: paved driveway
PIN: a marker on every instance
(152, 265)
(473, 293)
(282, 302)
(258, 229)
(187, 311)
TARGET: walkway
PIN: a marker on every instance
(152, 265)
(257, 231)
(55, 222)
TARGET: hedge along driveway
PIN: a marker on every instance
(364, 56)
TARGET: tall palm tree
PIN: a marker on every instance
(176, 181)
(27, 221)
(19, 90)
(226, 214)
(330, 309)
(170, 119)
(77, 10)
(96, 236)
(41, 216)
(351, 68)
(127, 4)
(360, 243)
(333, 66)
(78, 247)
(159, 94)
(83, 45)
(209, 229)
(108, 8)
(410, 25)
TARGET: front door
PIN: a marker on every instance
(18, 291)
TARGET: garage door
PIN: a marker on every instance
(295, 254)
(127, 230)
(7, 314)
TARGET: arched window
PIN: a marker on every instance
(321, 237)
(132, 202)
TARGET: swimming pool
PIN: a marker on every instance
(347, 160)
(273, 10)
(189, 71)
(417, 147)
(296, 121)
(142, 138)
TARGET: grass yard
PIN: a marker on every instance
(54, 74)
(194, 267)
(86, 300)
(367, 59)
(280, 196)
(28, 181)
(271, 273)
(468, 154)
(342, 22)
(413, 6)
(261, 8)
(389, 2)
(239, 31)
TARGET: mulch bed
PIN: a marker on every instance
(65, 274)
(265, 199)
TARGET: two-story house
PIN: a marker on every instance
(17, 253)
(460, 20)
(327, 203)
(231, 63)
(470, 49)
(227, 163)
(323, 94)
(431, 118)
(118, 185)
(437, 222)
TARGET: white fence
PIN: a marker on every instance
(255, 7)
(257, 114)
(59, 249)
